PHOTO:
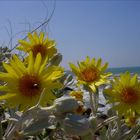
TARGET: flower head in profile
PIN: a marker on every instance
(125, 93)
(78, 95)
(131, 118)
(24, 83)
(90, 72)
(38, 44)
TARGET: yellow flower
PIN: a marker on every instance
(125, 93)
(131, 118)
(77, 94)
(24, 83)
(91, 72)
(37, 44)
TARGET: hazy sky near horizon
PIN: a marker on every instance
(109, 29)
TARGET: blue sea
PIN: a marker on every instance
(119, 70)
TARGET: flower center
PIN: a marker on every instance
(29, 85)
(129, 95)
(89, 75)
(40, 48)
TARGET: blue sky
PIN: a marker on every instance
(109, 29)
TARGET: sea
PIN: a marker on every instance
(119, 70)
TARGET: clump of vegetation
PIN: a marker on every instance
(39, 100)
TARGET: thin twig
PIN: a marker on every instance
(42, 24)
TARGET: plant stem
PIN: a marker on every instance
(92, 104)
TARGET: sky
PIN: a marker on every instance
(109, 29)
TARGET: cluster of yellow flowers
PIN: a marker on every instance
(123, 94)
(26, 79)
